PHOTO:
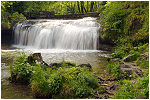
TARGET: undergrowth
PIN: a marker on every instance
(58, 80)
(133, 89)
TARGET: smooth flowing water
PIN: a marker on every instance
(81, 34)
(56, 40)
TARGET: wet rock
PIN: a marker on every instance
(85, 65)
(55, 64)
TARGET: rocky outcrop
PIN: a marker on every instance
(127, 70)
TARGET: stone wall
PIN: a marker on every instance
(51, 15)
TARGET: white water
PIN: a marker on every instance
(81, 34)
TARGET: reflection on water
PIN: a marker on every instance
(94, 57)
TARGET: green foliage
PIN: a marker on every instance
(45, 84)
(125, 49)
(50, 82)
(17, 17)
(21, 70)
(125, 18)
(6, 24)
(114, 68)
(79, 80)
(62, 64)
(133, 89)
(10, 16)
(142, 62)
(126, 91)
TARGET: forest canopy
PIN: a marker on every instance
(117, 18)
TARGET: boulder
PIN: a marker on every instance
(128, 70)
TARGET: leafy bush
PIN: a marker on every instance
(44, 84)
(16, 17)
(80, 82)
(125, 18)
(21, 70)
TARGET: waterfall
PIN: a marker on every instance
(81, 34)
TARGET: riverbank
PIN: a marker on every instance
(96, 59)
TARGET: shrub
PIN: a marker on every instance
(80, 82)
(21, 70)
(44, 84)
(16, 17)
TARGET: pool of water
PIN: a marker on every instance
(96, 58)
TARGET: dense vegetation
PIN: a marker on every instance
(61, 80)
(124, 23)
(13, 11)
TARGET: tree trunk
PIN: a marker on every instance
(82, 6)
(92, 4)
(87, 6)
(78, 6)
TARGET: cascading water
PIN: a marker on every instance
(81, 34)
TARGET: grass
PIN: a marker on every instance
(114, 68)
